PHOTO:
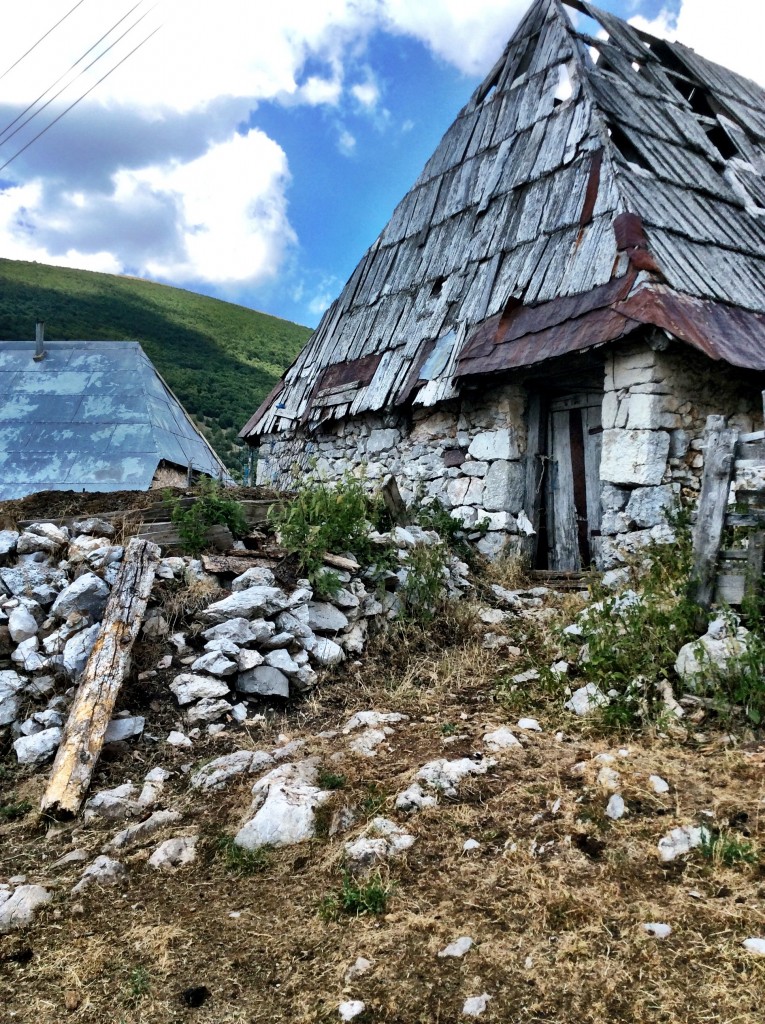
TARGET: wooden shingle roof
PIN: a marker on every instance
(581, 166)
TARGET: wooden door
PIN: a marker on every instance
(574, 437)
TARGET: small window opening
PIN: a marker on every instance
(490, 89)
(564, 89)
(627, 149)
(637, 67)
(525, 61)
(721, 141)
(437, 288)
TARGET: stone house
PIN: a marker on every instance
(575, 281)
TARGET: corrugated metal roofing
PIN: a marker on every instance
(519, 200)
(90, 416)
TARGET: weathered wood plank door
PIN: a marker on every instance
(574, 438)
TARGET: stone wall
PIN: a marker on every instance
(468, 453)
(471, 453)
(655, 406)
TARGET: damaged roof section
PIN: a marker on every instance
(90, 416)
(578, 162)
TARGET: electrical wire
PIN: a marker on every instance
(61, 77)
(33, 47)
(80, 99)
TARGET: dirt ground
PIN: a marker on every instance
(555, 898)
(61, 504)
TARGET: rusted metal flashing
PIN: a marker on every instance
(249, 428)
(631, 239)
(608, 313)
(354, 371)
(593, 185)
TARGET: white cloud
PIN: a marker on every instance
(366, 93)
(346, 142)
(731, 34)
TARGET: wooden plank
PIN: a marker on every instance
(564, 552)
(754, 562)
(534, 473)
(100, 683)
(719, 446)
(256, 513)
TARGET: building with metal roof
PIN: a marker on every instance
(578, 271)
(91, 416)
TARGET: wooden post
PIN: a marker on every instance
(100, 682)
(534, 473)
(719, 448)
(754, 560)
(394, 503)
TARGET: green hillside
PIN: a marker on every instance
(221, 360)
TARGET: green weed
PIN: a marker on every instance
(239, 861)
(138, 984)
(211, 508)
(330, 780)
(728, 848)
(423, 592)
(357, 897)
(13, 811)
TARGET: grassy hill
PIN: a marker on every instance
(221, 360)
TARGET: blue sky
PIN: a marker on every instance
(254, 151)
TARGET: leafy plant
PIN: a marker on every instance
(138, 984)
(357, 897)
(423, 590)
(211, 507)
(240, 861)
(742, 682)
(434, 515)
(727, 848)
(373, 801)
(325, 517)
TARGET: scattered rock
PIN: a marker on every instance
(476, 1005)
(350, 1009)
(133, 835)
(38, 748)
(529, 725)
(247, 604)
(658, 784)
(178, 739)
(469, 845)
(500, 739)
(103, 871)
(372, 719)
(381, 839)
(265, 681)
(615, 808)
(368, 741)
(174, 853)
(586, 699)
(207, 710)
(446, 775)
(325, 618)
(286, 799)
(120, 729)
(215, 663)
(19, 909)
(756, 946)
(414, 799)
(458, 948)
(189, 687)
(218, 773)
(113, 804)
(681, 840)
(87, 595)
(358, 969)
(658, 930)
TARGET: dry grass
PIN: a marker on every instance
(555, 898)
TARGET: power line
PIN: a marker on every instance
(79, 75)
(61, 77)
(79, 100)
(41, 39)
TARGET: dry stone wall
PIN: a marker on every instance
(471, 453)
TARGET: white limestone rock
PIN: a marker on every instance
(38, 748)
(351, 1008)
(257, 576)
(103, 871)
(494, 444)
(500, 739)
(93, 526)
(265, 681)
(240, 630)
(247, 660)
(637, 457)
(529, 725)
(681, 841)
(754, 945)
(446, 776)
(325, 618)
(88, 594)
(372, 719)
(207, 710)
(712, 655)
(26, 656)
(32, 579)
(367, 742)
(136, 834)
(381, 839)
(11, 686)
(19, 909)
(326, 652)
(657, 929)
(178, 739)
(458, 948)
(586, 700)
(504, 487)
(174, 853)
(78, 648)
(281, 660)
(215, 663)
(475, 1006)
(8, 541)
(218, 773)
(414, 799)
(615, 809)
(286, 799)
(125, 728)
(153, 787)
(658, 784)
(250, 603)
(189, 687)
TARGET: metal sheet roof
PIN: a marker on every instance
(90, 416)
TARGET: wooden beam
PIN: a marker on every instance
(719, 447)
(100, 683)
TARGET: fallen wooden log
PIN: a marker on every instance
(100, 682)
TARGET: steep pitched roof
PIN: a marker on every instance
(90, 416)
(610, 167)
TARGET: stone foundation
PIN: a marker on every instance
(471, 453)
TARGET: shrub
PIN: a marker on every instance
(727, 848)
(324, 517)
(211, 508)
(423, 591)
